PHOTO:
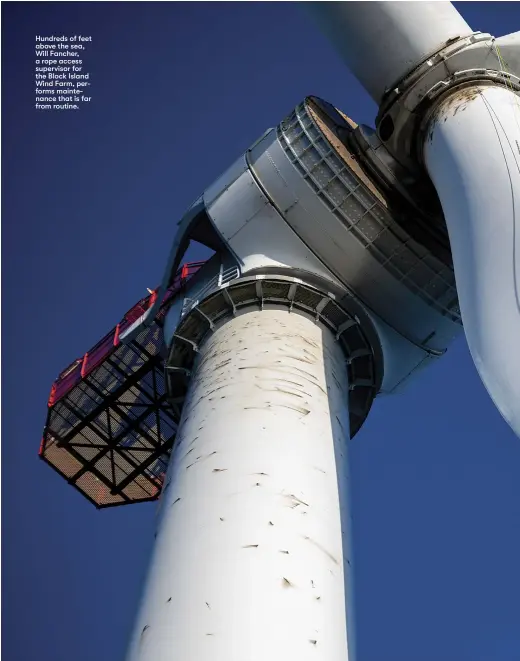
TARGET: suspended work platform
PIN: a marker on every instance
(109, 428)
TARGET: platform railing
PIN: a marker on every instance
(79, 369)
(224, 276)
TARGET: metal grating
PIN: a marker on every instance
(276, 290)
(244, 292)
(109, 428)
(362, 349)
(360, 208)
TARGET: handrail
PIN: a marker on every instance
(81, 367)
(221, 278)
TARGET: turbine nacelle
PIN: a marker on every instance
(450, 112)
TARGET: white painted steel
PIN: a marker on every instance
(252, 550)
(403, 360)
(252, 227)
(337, 248)
(472, 154)
(509, 46)
(383, 41)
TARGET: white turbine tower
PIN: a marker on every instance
(332, 283)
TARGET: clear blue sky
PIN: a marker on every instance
(90, 201)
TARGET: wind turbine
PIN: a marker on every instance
(337, 248)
